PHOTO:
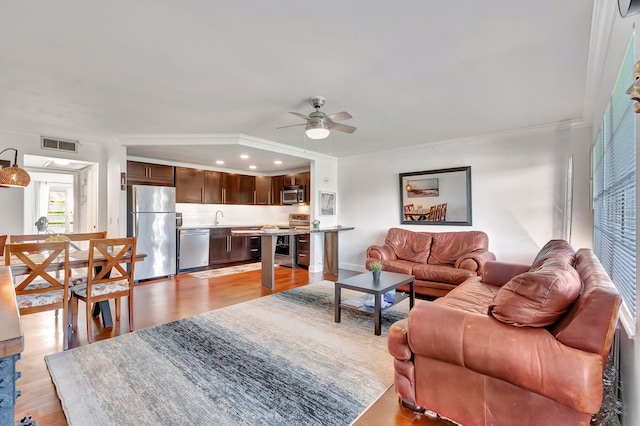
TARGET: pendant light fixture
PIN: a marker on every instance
(13, 176)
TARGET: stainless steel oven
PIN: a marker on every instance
(286, 244)
(292, 194)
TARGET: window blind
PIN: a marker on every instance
(614, 187)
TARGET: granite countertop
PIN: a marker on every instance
(256, 232)
(224, 227)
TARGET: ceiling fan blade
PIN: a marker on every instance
(342, 128)
(292, 125)
(300, 115)
(339, 116)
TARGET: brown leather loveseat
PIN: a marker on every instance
(521, 344)
(438, 260)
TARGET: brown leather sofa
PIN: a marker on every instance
(439, 260)
(520, 344)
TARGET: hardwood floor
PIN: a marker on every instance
(159, 302)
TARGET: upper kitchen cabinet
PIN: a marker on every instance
(304, 178)
(198, 186)
(237, 189)
(189, 185)
(139, 173)
(264, 193)
(277, 183)
(213, 187)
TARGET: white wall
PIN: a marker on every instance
(12, 217)
(518, 190)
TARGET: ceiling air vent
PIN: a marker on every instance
(59, 144)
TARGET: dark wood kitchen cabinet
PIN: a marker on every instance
(277, 182)
(237, 189)
(213, 187)
(198, 186)
(223, 248)
(304, 178)
(303, 249)
(139, 173)
(189, 185)
(254, 247)
(263, 190)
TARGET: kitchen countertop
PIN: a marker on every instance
(260, 232)
(223, 227)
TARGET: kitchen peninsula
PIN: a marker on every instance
(268, 248)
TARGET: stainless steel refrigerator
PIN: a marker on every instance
(151, 217)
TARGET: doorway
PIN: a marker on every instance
(62, 196)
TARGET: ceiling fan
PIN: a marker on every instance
(319, 124)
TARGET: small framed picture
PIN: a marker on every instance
(327, 203)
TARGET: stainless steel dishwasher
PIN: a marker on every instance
(193, 251)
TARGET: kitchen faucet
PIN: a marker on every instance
(217, 221)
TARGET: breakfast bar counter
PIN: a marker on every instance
(268, 245)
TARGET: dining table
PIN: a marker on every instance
(78, 259)
(414, 215)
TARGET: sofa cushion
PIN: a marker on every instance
(472, 296)
(408, 245)
(555, 249)
(447, 247)
(442, 273)
(537, 298)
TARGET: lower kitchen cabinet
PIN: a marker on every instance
(253, 248)
(303, 249)
(223, 248)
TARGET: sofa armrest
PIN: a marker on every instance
(499, 273)
(528, 357)
(474, 261)
(383, 252)
(397, 342)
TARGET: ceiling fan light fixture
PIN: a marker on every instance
(317, 129)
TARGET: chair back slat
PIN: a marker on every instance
(38, 257)
(116, 252)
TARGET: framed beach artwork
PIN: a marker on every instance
(436, 197)
(327, 203)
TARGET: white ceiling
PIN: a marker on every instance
(409, 72)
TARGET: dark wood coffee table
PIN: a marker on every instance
(365, 283)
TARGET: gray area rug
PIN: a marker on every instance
(276, 360)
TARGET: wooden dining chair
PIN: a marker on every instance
(107, 278)
(433, 212)
(36, 289)
(28, 238)
(443, 214)
(84, 237)
(3, 241)
(408, 208)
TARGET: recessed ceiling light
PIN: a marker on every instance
(277, 162)
(244, 156)
(219, 162)
(252, 167)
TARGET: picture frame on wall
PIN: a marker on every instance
(436, 197)
(327, 203)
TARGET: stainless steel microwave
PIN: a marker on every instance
(292, 194)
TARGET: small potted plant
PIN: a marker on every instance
(316, 224)
(376, 267)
